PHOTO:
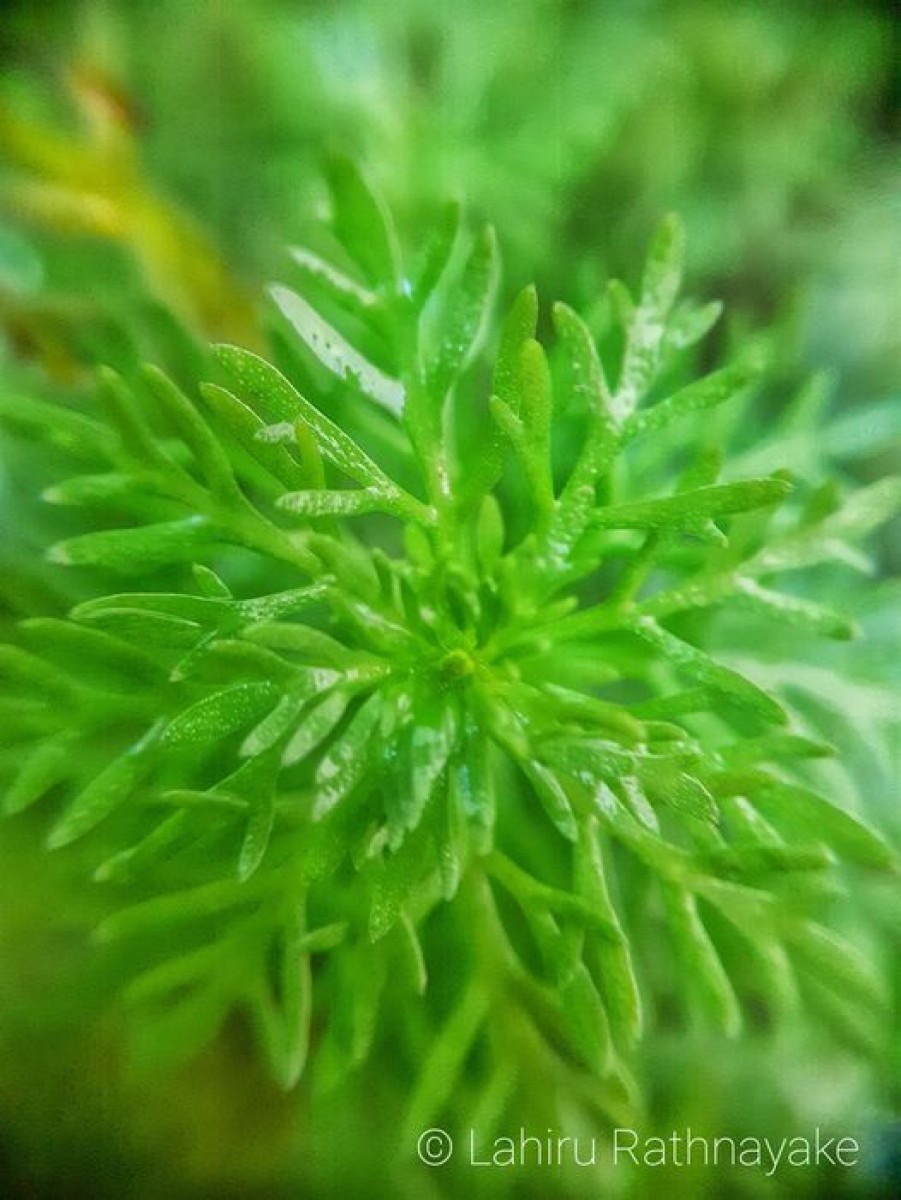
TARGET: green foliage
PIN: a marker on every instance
(492, 686)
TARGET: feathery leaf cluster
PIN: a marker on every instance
(478, 705)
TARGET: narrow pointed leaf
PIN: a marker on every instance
(436, 255)
(399, 874)
(317, 724)
(260, 822)
(111, 788)
(211, 458)
(220, 714)
(700, 960)
(137, 550)
(184, 906)
(517, 328)
(335, 352)
(276, 723)
(806, 813)
(464, 313)
(688, 508)
(586, 1020)
(708, 672)
(794, 610)
(245, 426)
(362, 223)
(128, 863)
(340, 286)
(616, 969)
(715, 389)
(280, 402)
(646, 329)
(554, 799)
(196, 610)
(327, 503)
(109, 488)
(46, 766)
(347, 759)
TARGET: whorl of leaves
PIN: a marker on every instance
(492, 691)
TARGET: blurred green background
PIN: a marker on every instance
(156, 157)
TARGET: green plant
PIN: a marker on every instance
(452, 716)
